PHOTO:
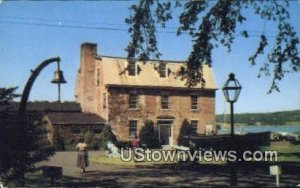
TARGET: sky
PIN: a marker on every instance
(33, 31)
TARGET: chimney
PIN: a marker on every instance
(87, 87)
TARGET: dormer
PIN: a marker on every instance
(163, 70)
(132, 68)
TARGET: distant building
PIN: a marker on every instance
(125, 94)
(66, 125)
(62, 120)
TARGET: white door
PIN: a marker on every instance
(165, 134)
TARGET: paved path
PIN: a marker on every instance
(205, 175)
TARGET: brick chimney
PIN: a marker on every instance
(86, 87)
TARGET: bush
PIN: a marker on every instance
(58, 142)
(149, 135)
(106, 135)
(123, 144)
(185, 130)
(23, 141)
(95, 143)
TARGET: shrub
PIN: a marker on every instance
(185, 130)
(107, 135)
(149, 135)
(123, 144)
(70, 144)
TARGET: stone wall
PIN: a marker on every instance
(65, 132)
(150, 108)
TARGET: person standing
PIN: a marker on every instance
(82, 158)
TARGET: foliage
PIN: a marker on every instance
(185, 130)
(123, 144)
(149, 135)
(92, 140)
(59, 142)
(218, 25)
(6, 95)
(23, 142)
(275, 118)
(107, 135)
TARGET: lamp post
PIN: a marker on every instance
(231, 90)
(58, 79)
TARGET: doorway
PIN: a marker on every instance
(165, 131)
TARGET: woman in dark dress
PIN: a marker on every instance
(82, 159)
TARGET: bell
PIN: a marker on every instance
(58, 77)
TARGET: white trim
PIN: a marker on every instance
(170, 124)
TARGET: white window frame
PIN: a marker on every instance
(130, 128)
(167, 102)
(136, 101)
(193, 105)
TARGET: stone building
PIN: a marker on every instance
(63, 121)
(126, 94)
(63, 126)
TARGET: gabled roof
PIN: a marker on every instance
(73, 118)
(115, 74)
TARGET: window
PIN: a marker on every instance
(133, 101)
(163, 70)
(194, 102)
(98, 77)
(194, 126)
(131, 68)
(104, 100)
(132, 128)
(165, 102)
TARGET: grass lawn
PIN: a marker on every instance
(286, 152)
(117, 161)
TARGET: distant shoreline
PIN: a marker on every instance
(256, 119)
(263, 124)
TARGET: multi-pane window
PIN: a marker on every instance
(131, 68)
(133, 100)
(194, 102)
(132, 128)
(165, 102)
(163, 70)
(194, 126)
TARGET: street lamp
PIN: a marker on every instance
(231, 90)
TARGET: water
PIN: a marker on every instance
(263, 128)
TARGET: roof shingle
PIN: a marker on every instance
(74, 118)
(114, 70)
